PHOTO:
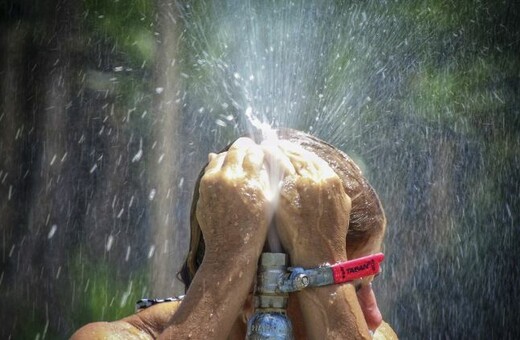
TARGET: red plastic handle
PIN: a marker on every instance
(358, 268)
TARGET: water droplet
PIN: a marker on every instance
(86, 285)
(51, 233)
(127, 256)
(110, 241)
(137, 156)
(151, 251)
(126, 294)
(161, 157)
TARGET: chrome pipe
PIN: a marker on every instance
(270, 319)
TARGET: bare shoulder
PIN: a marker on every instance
(109, 330)
(146, 324)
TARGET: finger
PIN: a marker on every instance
(293, 153)
(211, 156)
(307, 170)
(277, 161)
(255, 168)
(236, 153)
(303, 165)
(289, 148)
(253, 159)
(367, 301)
(322, 168)
(242, 142)
(215, 163)
(234, 159)
(307, 163)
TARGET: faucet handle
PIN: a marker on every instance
(299, 278)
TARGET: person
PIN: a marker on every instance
(324, 212)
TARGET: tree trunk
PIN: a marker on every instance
(165, 155)
(14, 179)
(40, 95)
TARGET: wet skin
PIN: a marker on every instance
(234, 211)
(312, 221)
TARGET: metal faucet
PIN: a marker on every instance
(275, 281)
(270, 320)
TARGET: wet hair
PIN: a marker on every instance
(367, 217)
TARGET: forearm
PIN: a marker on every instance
(333, 312)
(214, 298)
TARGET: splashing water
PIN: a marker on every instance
(277, 61)
(270, 138)
(383, 81)
(268, 133)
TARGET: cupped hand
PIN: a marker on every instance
(233, 209)
(313, 213)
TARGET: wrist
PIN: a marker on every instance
(219, 289)
(342, 317)
(312, 258)
(227, 251)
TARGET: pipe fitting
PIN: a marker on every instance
(270, 320)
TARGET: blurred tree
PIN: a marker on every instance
(166, 140)
(43, 108)
(452, 118)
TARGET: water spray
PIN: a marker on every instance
(275, 281)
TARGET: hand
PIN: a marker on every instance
(233, 208)
(312, 222)
(313, 214)
(233, 212)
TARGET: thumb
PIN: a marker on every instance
(367, 300)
